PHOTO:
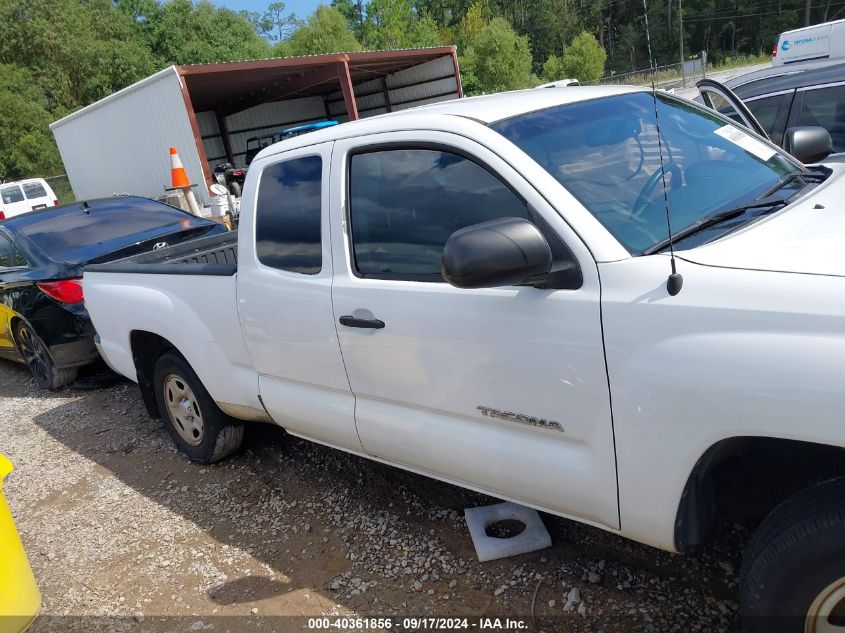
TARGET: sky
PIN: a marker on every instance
(302, 8)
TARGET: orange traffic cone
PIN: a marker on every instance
(179, 180)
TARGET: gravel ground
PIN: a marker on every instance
(122, 530)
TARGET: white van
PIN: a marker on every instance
(822, 41)
(24, 196)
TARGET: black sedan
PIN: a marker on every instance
(43, 321)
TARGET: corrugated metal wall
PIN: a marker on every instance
(429, 82)
(425, 83)
(262, 119)
(121, 143)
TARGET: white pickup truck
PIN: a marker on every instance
(477, 291)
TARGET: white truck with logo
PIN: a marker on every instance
(480, 291)
(822, 41)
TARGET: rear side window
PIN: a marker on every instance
(405, 203)
(770, 111)
(11, 194)
(10, 257)
(287, 216)
(34, 190)
(826, 107)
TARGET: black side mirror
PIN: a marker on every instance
(502, 252)
(809, 143)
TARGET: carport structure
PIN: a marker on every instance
(227, 103)
(120, 144)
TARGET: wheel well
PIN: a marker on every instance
(744, 478)
(147, 348)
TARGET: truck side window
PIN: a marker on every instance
(405, 203)
(10, 257)
(288, 214)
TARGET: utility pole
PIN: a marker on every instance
(808, 5)
(681, 39)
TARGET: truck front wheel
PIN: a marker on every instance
(793, 577)
(197, 425)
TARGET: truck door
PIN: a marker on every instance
(284, 296)
(504, 389)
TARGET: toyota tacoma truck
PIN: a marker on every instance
(607, 303)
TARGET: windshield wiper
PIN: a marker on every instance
(714, 220)
(819, 175)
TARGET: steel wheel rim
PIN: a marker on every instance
(34, 354)
(818, 614)
(183, 409)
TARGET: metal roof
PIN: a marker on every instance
(234, 86)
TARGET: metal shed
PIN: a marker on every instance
(208, 111)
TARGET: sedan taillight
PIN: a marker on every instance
(55, 203)
(63, 291)
(2, 215)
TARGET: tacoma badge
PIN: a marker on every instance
(520, 417)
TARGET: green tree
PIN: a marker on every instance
(325, 31)
(353, 11)
(26, 144)
(583, 59)
(498, 58)
(181, 32)
(275, 25)
(553, 68)
(397, 24)
(470, 26)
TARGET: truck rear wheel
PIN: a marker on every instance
(793, 578)
(197, 425)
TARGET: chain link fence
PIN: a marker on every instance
(668, 77)
(61, 187)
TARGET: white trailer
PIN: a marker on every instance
(208, 111)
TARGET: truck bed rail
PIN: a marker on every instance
(215, 255)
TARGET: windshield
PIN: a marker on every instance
(605, 152)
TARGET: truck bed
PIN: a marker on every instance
(214, 255)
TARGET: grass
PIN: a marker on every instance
(729, 63)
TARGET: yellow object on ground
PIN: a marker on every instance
(19, 595)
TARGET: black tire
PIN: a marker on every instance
(796, 555)
(219, 435)
(38, 359)
(235, 189)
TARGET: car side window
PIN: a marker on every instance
(288, 216)
(769, 111)
(10, 257)
(405, 203)
(826, 107)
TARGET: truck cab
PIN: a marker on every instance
(537, 295)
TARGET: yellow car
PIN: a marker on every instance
(19, 595)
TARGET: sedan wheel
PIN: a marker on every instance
(37, 358)
(35, 355)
